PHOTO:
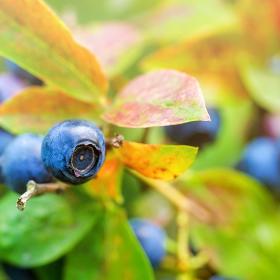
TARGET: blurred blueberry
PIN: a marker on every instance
(21, 162)
(152, 239)
(261, 160)
(10, 86)
(17, 273)
(217, 277)
(74, 151)
(196, 133)
(22, 74)
(5, 139)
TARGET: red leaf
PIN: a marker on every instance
(160, 98)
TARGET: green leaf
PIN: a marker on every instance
(188, 20)
(165, 162)
(110, 251)
(46, 230)
(33, 37)
(245, 223)
(125, 43)
(164, 97)
(226, 150)
(107, 10)
(36, 109)
(263, 85)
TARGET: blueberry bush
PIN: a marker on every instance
(139, 139)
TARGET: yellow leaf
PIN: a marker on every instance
(33, 37)
(164, 162)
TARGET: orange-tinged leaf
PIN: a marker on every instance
(37, 109)
(108, 180)
(216, 55)
(265, 38)
(160, 98)
(33, 37)
(211, 59)
(222, 193)
(164, 162)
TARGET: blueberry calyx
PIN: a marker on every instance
(83, 159)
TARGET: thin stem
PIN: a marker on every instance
(145, 135)
(34, 189)
(182, 239)
(167, 190)
(178, 199)
(184, 207)
(171, 246)
(199, 261)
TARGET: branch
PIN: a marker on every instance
(34, 189)
(114, 142)
(145, 135)
(178, 199)
(183, 256)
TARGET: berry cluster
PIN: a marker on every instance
(73, 151)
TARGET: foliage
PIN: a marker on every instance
(130, 70)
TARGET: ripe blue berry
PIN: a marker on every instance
(74, 151)
(261, 160)
(21, 73)
(196, 133)
(152, 239)
(21, 162)
(5, 139)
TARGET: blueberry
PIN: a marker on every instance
(21, 162)
(5, 139)
(152, 239)
(196, 133)
(217, 277)
(22, 74)
(74, 151)
(10, 86)
(261, 160)
(17, 273)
